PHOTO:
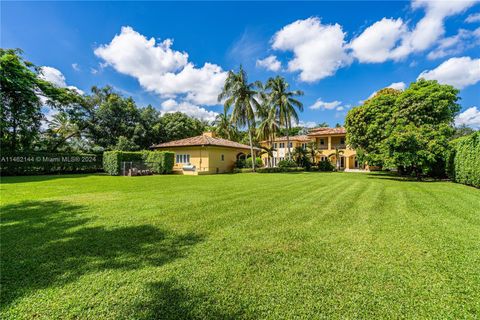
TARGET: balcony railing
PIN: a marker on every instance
(339, 146)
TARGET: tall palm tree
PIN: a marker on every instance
(313, 151)
(285, 104)
(223, 126)
(300, 155)
(63, 128)
(240, 94)
(337, 155)
(267, 130)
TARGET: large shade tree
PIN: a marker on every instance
(23, 93)
(285, 103)
(241, 96)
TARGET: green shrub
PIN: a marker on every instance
(325, 165)
(240, 163)
(32, 163)
(158, 161)
(242, 170)
(287, 164)
(258, 162)
(280, 169)
(463, 164)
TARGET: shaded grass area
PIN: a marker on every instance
(311, 245)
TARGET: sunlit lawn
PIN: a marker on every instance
(277, 246)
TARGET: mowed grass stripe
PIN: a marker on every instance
(306, 245)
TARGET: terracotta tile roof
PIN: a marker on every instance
(301, 138)
(326, 131)
(203, 140)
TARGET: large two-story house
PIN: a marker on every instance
(327, 141)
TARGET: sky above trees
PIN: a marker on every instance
(175, 55)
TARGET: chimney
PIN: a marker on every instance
(209, 134)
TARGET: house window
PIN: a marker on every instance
(342, 140)
(282, 145)
(289, 144)
(304, 146)
(275, 145)
(182, 158)
(223, 157)
(322, 142)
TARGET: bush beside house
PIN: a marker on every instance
(160, 162)
(463, 163)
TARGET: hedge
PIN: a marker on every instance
(158, 161)
(280, 169)
(463, 164)
(33, 163)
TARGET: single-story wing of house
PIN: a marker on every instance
(205, 154)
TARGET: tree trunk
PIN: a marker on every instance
(288, 140)
(251, 146)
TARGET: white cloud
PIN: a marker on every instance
(390, 39)
(319, 104)
(53, 75)
(394, 85)
(377, 42)
(56, 77)
(189, 109)
(270, 63)
(75, 67)
(458, 72)
(160, 69)
(307, 124)
(469, 117)
(456, 44)
(319, 50)
(474, 17)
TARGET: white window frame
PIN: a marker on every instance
(182, 158)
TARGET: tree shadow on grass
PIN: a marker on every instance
(169, 300)
(48, 243)
(40, 178)
(395, 177)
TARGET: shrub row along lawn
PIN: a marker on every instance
(311, 245)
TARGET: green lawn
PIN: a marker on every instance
(306, 245)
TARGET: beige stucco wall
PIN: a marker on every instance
(206, 159)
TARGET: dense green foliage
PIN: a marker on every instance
(464, 160)
(250, 246)
(286, 163)
(325, 165)
(160, 162)
(408, 130)
(280, 169)
(22, 90)
(33, 163)
(112, 160)
(258, 162)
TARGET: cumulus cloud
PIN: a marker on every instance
(377, 43)
(170, 105)
(472, 18)
(458, 72)
(390, 39)
(307, 124)
(455, 44)
(160, 69)
(319, 50)
(323, 105)
(469, 117)
(56, 77)
(270, 63)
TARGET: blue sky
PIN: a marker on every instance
(175, 55)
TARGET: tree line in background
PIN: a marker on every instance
(409, 130)
(105, 120)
